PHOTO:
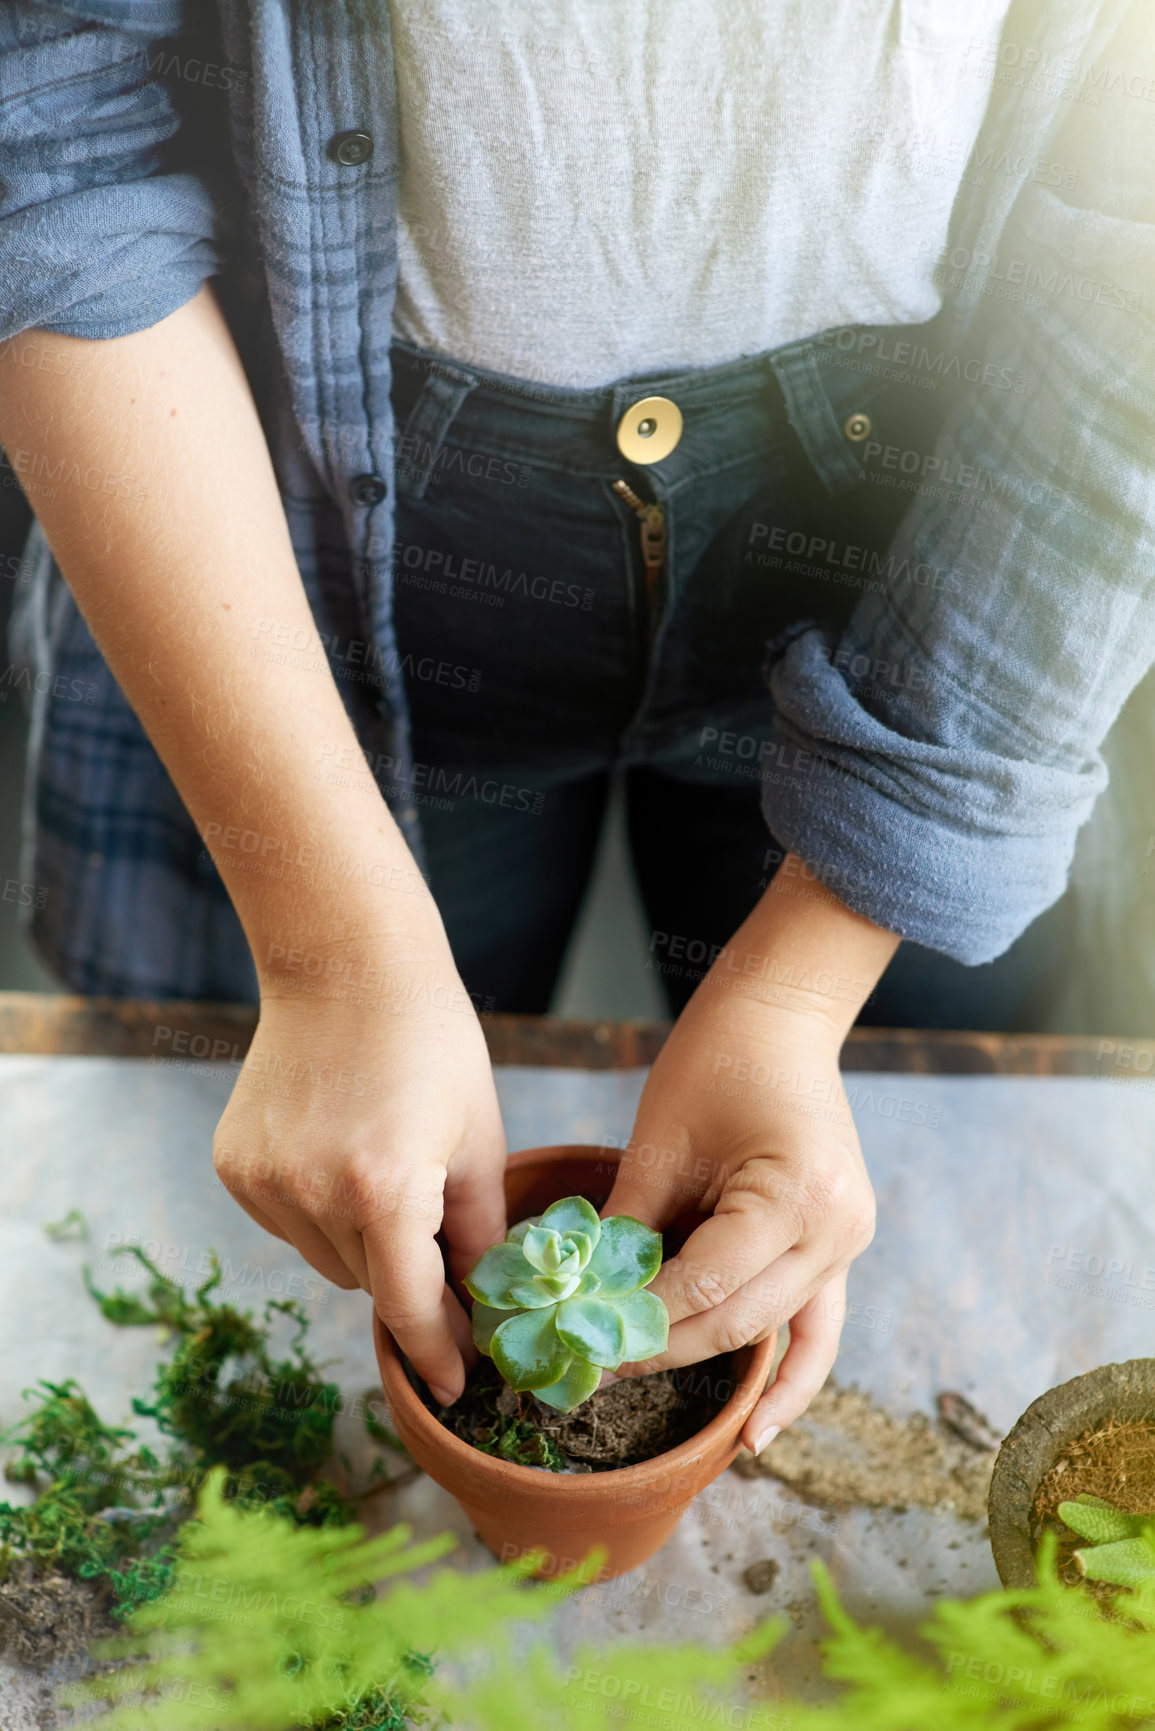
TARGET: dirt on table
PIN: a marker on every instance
(1116, 1462)
(846, 1451)
(620, 1425)
(45, 1616)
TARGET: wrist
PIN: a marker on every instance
(810, 959)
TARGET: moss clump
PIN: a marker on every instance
(108, 1509)
(492, 1418)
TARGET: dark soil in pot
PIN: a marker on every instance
(620, 1425)
(1114, 1461)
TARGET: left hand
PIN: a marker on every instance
(744, 1114)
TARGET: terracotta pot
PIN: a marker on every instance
(630, 1510)
(1029, 1451)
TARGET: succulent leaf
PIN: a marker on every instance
(575, 1385)
(573, 1214)
(1096, 1520)
(486, 1321)
(592, 1330)
(626, 1256)
(493, 1274)
(553, 1252)
(647, 1324)
(542, 1289)
(1125, 1563)
(528, 1351)
(561, 1299)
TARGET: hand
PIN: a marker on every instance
(744, 1116)
(357, 1128)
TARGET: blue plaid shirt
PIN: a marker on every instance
(146, 145)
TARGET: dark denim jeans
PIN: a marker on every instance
(539, 663)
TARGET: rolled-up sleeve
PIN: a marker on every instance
(934, 762)
(97, 238)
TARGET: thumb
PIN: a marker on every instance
(474, 1211)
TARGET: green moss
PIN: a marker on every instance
(107, 1507)
(478, 1420)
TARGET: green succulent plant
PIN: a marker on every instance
(1122, 1548)
(562, 1300)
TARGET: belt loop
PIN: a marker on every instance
(811, 414)
(419, 444)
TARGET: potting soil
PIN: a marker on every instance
(46, 1616)
(621, 1424)
(1116, 1462)
(846, 1450)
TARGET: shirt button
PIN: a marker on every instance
(367, 489)
(649, 429)
(350, 148)
(857, 426)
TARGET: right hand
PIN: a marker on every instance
(354, 1132)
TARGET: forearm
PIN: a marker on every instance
(803, 951)
(177, 573)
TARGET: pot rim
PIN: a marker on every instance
(1035, 1442)
(749, 1384)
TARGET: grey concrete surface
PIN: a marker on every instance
(1016, 1248)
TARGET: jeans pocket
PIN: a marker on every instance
(420, 441)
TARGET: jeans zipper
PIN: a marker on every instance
(653, 526)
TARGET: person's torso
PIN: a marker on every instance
(590, 190)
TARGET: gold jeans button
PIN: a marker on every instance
(857, 426)
(649, 429)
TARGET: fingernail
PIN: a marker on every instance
(762, 1437)
(441, 1395)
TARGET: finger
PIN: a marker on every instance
(460, 1322)
(747, 1233)
(814, 1335)
(257, 1214)
(316, 1246)
(647, 1183)
(748, 1315)
(474, 1210)
(407, 1280)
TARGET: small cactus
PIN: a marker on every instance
(1122, 1548)
(561, 1300)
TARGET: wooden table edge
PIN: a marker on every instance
(45, 1023)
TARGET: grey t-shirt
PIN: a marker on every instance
(595, 188)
